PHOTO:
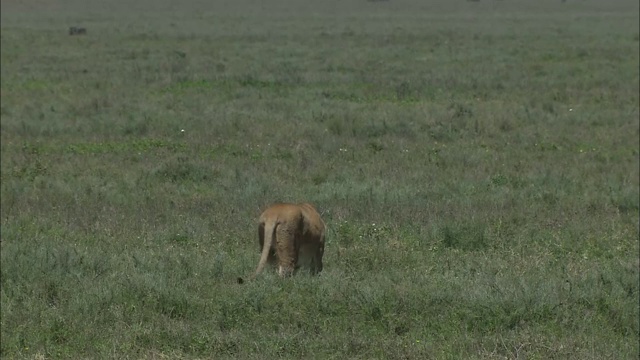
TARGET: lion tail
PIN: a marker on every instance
(269, 234)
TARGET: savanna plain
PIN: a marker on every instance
(476, 164)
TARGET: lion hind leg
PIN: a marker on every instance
(316, 261)
(286, 250)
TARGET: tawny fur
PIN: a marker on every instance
(290, 236)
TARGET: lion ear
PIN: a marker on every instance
(240, 281)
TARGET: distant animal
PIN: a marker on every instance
(290, 235)
(77, 31)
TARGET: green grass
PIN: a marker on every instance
(476, 163)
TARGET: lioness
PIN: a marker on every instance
(290, 235)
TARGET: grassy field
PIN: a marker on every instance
(476, 163)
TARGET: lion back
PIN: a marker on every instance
(313, 224)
